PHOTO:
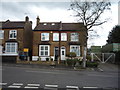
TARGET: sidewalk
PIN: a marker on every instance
(109, 67)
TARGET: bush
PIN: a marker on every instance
(72, 62)
(91, 64)
(88, 57)
(71, 54)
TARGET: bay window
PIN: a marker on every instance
(11, 48)
(44, 50)
(76, 49)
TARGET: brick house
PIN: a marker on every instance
(15, 37)
(56, 39)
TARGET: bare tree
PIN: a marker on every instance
(90, 14)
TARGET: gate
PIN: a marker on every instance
(103, 57)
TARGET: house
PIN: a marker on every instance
(16, 39)
(56, 39)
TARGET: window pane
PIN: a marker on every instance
(46, 53)
(11, 47)
(42, 48)
(42, 53)
(55, 36)
(46, 47)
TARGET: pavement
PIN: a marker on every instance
(103, 67)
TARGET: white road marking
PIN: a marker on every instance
(90, 87)
(19, 84)
(30, 87)
(100, 69)
(72, 87)
(33, 85)
(14, 86)
(55, 86)
(3, 83)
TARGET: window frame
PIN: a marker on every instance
(11, 47)
(64, 36)
(54, 39)
(44, 50)
(74, 39)
(2, 34)
(45, 37)
(11, 32)
(78, 49)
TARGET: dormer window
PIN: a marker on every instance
(45, 24)
(53, 24)
(13, 34)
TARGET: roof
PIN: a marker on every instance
(57, 25)
(12, 24)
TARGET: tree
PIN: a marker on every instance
(90, 14)
(114, 35)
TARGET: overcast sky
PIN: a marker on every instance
(55, 12)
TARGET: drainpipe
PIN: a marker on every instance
(60, 42)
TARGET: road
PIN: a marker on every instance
(23, 77)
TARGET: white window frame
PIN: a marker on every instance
(44, 50)
(55, 36)
(13, 32)
(74, 36)
(46, 37)
(1, 34)
(10, 43)
(64, 38)
(75, 47)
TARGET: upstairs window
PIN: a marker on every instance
(44, 36)
(74, 36)
(1, 34)
(63, 36)
(55, 36)
(13, 34)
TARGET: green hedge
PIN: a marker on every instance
(92, 64)
(72, 62)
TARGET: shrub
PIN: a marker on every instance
(71, 54)
(91, 64)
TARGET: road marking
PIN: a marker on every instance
(33, 84)
(100, 69)
(90, 87)
(30, 87)
(14, 86)
(3, 83)
(19, 84)
(55, 86)
(72, 87)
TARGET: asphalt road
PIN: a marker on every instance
(27, 77)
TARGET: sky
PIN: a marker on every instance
(56, 11)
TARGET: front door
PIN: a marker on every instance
(56, 53)
(63, 53)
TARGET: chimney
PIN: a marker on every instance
(38, 20)
(26, 18)
(60, 25)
